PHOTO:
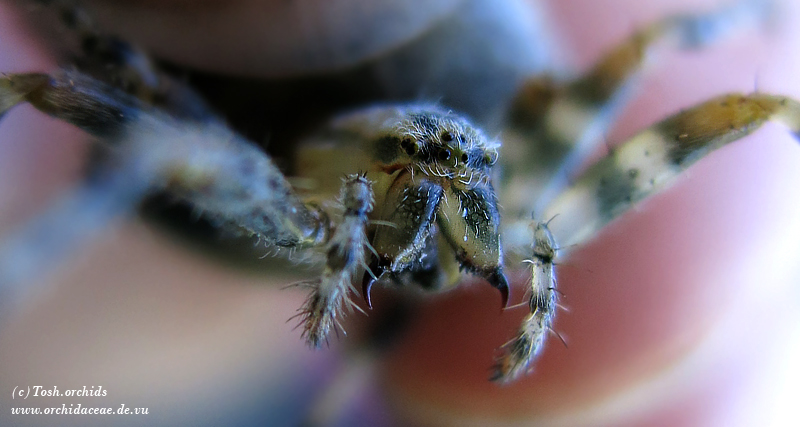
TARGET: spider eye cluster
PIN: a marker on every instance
(443, 140)
(450, 150)
(410, 146)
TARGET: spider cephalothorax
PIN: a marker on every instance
(443, 144)
(431, 174)
(443, 183)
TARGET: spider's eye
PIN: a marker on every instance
(490, 157)
(409, 146)
(447, 137)
(444, 154)
(464, 158)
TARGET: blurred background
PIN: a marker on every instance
(684, 312)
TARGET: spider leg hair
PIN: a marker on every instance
(652, 159)
(640, 167)
(219, 173)
(346, 254)
(518, 355)
(567, 120)
(124, 65)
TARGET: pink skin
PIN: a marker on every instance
(677, 314)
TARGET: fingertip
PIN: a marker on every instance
(268, 38)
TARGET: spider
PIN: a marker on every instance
(418, 200)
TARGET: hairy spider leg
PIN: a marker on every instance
(518, 354)
(345, 252)
(225, 177)
(125, 66)
(640, 167)
(567, 120)
(649, 161)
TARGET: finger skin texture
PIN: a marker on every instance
(676, 309)
(676, 312)
(272, 38)
(403, 43)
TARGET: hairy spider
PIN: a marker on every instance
(394, 193)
